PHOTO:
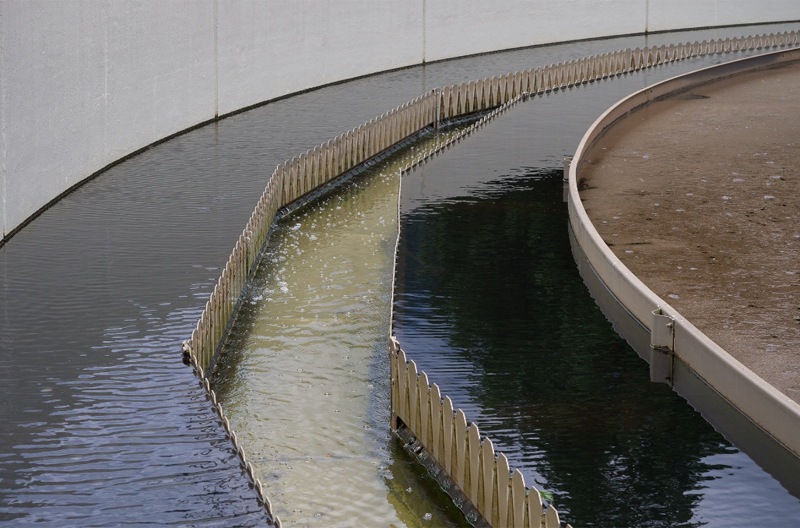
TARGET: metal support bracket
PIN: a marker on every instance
(662, 343)
(437, 120)
(567, 165)
(394, 347)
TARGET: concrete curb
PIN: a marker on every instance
(763, 404)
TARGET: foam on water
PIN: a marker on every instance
(97, 294)
(305, 375)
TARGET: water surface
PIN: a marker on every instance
(490, 305)
(101, 425)
(304, 378)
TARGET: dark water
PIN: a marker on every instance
(490, 304)
(100, 424)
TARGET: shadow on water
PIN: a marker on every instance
(559, 390)
(490, 304)
(101, 424)
(415, 494)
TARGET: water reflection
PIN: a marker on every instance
(489, 303)
(97, 294)
(501, 320)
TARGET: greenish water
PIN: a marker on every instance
(101, 424)
(490, 304)
(305, 382)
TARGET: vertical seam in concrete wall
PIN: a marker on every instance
(646, 17)
(3, 178)
(424, 29)
(216, 58)
(105, 21)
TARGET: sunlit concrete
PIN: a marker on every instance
(86, 83)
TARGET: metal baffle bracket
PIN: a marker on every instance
(394, 347)
(662, 346)
(438, 114)
(567, 165)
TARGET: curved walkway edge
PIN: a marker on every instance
(672, 335)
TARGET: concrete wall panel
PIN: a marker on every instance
(270, 49)
(3, 173)
(671, 14)
(463, 27)
(87, 82)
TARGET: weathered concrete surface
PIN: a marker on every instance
(666, 14)
(698, 196)
(84, 83)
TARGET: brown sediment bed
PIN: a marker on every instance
(699, 196)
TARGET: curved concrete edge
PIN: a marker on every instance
(770, 409)
(85, 86)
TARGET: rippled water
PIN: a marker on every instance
(100, 424)
(305, 377)
(490, 304)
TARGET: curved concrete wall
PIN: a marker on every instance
(84, 83)
(759, 401)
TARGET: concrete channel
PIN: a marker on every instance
(511, 356)
(750, 376)
(109, 422)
